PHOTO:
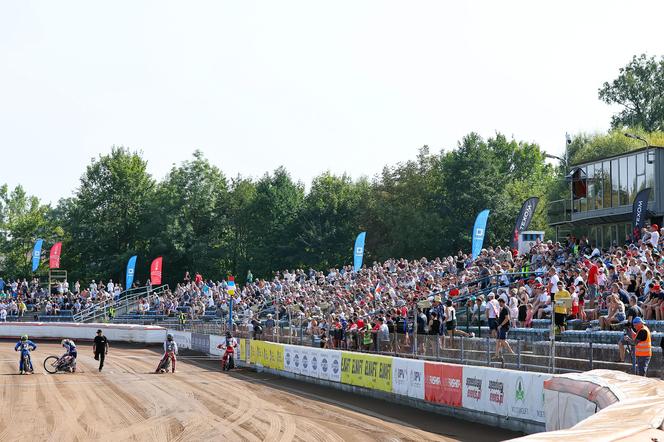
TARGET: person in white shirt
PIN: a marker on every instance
(110, 286)
(492, 311)
(654, 236)
(3, 315)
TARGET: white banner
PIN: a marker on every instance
(214, 341)
(525, 395)
(408, 377)
(288, 358)
(314, 362)
(305, 361)
(494, 401)
(297, 359)
(329, 365)
(474, 388)
(182, 339)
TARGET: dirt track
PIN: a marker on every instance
(127, 402)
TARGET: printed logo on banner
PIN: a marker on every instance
(314, 363)
(335, 366)
(496, 392)
(519, 393)
(452, 388)
(305, 362)
(296, 361)
(323, 364)
(474, 388)
(287, 359)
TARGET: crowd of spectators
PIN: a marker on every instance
(21, 297)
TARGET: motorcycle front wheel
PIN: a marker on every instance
(51, 364)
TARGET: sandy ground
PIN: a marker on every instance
(128, 402)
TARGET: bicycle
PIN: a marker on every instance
(55, 364)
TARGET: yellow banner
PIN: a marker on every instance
(368, 371)
(267, 354)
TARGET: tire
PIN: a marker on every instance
(49, 364)
(26, 364)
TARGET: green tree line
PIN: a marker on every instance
(200, 220)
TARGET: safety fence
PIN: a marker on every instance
(502, 392)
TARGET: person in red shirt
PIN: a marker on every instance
(593, 275)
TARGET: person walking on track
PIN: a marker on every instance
(100, 348)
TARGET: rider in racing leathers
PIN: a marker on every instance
(69, 345)
(170, 350)
(229, 345)
(25, 345)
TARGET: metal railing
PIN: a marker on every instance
(127, 300)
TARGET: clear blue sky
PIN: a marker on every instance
(346, 86)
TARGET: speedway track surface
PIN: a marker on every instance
(128, 402)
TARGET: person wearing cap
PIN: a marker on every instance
(100, 348)
(642, 345)
(632, 312)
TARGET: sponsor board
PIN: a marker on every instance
(474, 388)
(368, 371)
(408, 377)
(433, 382)
(267, 354)
(452, 384)
(182, 339)
(329, 365)
(495, 398)
(525, 395)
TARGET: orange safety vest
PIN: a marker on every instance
(643, 348)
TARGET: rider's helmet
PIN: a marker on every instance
(24, 338)
(64, 342)
(169, 337)
(228, 335)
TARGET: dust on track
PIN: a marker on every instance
(127, 401)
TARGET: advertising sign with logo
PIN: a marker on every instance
(182, 339)
(408, 377)
(267, 354)
(314, 362)
(288, 358)
(474, 388)
(452, 382)
(433, 382)
(525, 395)
(368, 371)
(495, 399)
(304, 361)
(332, 360)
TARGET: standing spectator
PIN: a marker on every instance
(654, 236)
(100, 348)
(492, 312)
(593, 281)
(642, 346)
(503, 328)
(3, 315)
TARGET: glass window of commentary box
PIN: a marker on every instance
(624, 188)
(615, 183)
(590, 195)
(606, 173)
(599, 186)
(650, 173)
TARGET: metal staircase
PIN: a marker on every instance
(128, 301)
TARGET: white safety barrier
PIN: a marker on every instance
(147, 334)
(181, 338)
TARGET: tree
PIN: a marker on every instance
(23, 219)
(191, 225)
(639, 89)
(106, 219)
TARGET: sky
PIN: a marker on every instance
(345, 86)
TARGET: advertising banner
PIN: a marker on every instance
(305, 361)
(478, 232)
(288, 358)
(182, 339)
(36, 254)
(494, 401)
(408, 377)
(640, 211)
(368, 371)
(54, 256)
(297, 359)
(200, 342)
(358, 251)
(452, 383)
(525, 395)
(267, 354)
(523, 219)
(474, 388)
(433, 382)
(329, 366)
(131, 267)
(314, 362)
(155, 271)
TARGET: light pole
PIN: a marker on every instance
(637, 137)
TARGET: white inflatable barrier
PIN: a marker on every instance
(147, 334)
